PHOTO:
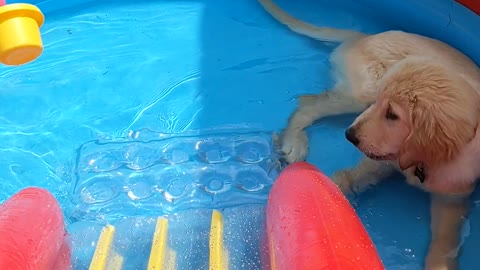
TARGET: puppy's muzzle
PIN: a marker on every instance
(351, 136)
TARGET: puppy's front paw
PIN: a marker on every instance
(441, 264)
(293, 145)
(439, 259)
(343, 179)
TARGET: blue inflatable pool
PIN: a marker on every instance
(141, 117)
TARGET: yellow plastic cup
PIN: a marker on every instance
(20, 39)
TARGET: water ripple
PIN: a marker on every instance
(161, 97)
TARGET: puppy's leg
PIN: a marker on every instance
(367, 173)
(447, 216)
(293, 140)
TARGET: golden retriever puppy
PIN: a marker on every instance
(420, 109)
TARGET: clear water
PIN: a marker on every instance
(113, 71)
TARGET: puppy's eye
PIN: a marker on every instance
(390, 115)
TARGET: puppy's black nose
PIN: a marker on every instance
(352, 136)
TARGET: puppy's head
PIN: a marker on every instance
(422, 114)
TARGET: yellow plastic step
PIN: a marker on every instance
(218, 256)
(104, 255)
(161, 256)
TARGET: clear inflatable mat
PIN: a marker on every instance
(152, 174)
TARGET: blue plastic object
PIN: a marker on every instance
(114, 68)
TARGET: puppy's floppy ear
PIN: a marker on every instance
(444, 110)
(440, 127)
(408, 155)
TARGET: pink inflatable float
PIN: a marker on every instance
(32, 232)
(312, 226)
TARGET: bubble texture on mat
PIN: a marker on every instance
(172, 173)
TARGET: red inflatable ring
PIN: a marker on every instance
(32, 232)
(312, 226)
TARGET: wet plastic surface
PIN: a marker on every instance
(111, 69)
(174, 173)
(188, 238)
(32, 232)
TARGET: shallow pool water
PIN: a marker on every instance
(116, 70)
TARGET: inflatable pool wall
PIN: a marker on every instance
(473, 5)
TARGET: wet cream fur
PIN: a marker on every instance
(433, 92)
